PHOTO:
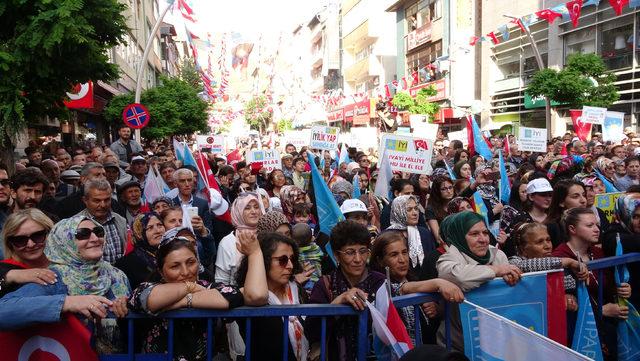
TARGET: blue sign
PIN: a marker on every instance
(136, 116)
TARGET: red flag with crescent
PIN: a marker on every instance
(81, 96)
(574, 7)
(68, 339)
(618, 5)
(583, 130)
(549, 15)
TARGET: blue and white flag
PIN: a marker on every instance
(451, 174)
(505, 187)
(479, 142)
(384, 177)
(585, 338)
(629, 329)
(179, 150)
(356, 187)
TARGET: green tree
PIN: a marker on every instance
(285, 124)
(418, 105)
(45, 48)
(256, 113)
(174, 106)
(189, 74)
(583, 81)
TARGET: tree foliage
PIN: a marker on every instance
(418, 105)
(48, 46)
(256, 112)
(284, 125)
(583, 81)
(174, 106)
(189, 74)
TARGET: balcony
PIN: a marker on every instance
(368, 66)
(357, 15)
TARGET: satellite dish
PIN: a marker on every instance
(477, 106)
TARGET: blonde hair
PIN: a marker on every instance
(16, 219)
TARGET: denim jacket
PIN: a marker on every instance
(31, 304)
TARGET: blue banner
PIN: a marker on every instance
(525, 304)
(585, 338)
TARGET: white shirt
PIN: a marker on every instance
(227, 260)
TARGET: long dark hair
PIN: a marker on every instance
(268, 244)
(456, 157)
(379, 246)
(165, 249)
(438, 203)
(514, 199)
(560, 192)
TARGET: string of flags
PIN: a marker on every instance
(570, 10)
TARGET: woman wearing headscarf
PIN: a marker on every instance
(290, 195)
(147, 230)
(274, 221)
(342, 188)
(606, 168)
(469, 262)
(404, 218)
(86, 284)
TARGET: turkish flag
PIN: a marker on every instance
(493, 37)
(420, 144)
(68, 339)
(81, 96)
(618, 5)
(556, 308)
(574, 7)
(548, 14)
(583, 130)
(471, 145)
(473, 40)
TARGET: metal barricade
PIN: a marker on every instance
(599, 266)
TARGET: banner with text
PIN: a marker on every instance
(406, 153)
(364, 138)
(593, 115)
(324, 138)
(214, 142)
(270, 158)
(532, 139)
(607, 202)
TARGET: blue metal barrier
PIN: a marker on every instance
(600, 264)
(247, 313)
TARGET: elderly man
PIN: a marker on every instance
(125, 147)
(51, 170)
(130, 197)
(72, 204)
(97, 200)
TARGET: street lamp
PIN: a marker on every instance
(541, 66)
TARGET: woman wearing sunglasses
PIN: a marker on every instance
(85, 285)
(281, 261)
(178, 286)
(24, 235)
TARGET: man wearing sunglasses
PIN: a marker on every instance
(5, 198)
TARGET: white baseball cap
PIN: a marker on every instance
(217, 204)
(353, 205)
(539, 185)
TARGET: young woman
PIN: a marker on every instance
(462, 169)
(475, 162)
(567, 194)
(457, 205)
(275, 182)
(422, 187)
(178, 287)
(591, 189)
(539, 194)
(461, 155)
(516, 205)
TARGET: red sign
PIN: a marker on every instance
(419, 36)
(136, 116)
(358, 113)
(80, 97)
(335, 116)
(439, 85)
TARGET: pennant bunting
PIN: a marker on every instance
(493, 37)
(549, 15)
(574, 7)
(618, 5)
(504, 31)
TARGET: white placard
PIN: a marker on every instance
(299, 138)
(214, 142)
(364, 138)
(270, 158)
(532, 139)
(612, 128)
(425, 130)
(460, 135)
(593, 115)
(406, 153)
(324, 138)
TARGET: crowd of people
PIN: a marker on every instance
(78, 236)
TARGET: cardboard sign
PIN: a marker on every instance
(460, 135)
(214, 142)
(532, 139)
(406, 153)
(607, 202)
(299, 138)
(612, 128)
(364, 137)
(425, 130)
(270, 158)
(324, 138)
(593, 115)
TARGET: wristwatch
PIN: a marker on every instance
(3, 283)
(189, 299)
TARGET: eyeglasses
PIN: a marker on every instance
(352, 252)
(22, 241)
(85, 233)
(283, 260)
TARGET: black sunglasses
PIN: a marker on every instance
(22, 241)
(85, 233)
(284, 260)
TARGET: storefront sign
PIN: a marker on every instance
(214, 142)
(406, 153)
(270, 159)
(335, 116)
(537, 102)
(593, 115)
(439, 85)
(358, 113)
(532, 139)
(419, 36)
(324, 138)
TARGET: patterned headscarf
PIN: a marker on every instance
(453, 231)
(342, 186)
(81, 277)
(399, 222)
(454, 205)
(238, 206)
(270, 221)
(487, 191)
(288, 196)
(141, 243)
(602, 163)
(624, 208)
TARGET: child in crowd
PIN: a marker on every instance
(310, 252)
(301, 214)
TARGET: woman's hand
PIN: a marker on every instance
(510, 273)
(624, 290)
(430, 309)
(615, 310)
(579, 269)
(572, 302)
(41, 276)
(198, 226)
(353, 297)
(502, 237)
(449, 291)
(497, 208)
(247, 242)
(302, 277)
(119, 307)
(89, 306)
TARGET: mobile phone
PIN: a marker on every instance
(193, 211)
(493, 176)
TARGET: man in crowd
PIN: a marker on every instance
(290, 148)
(34, 155)
(63, 157)
(79, 159)
(97, 200)
(51, 170)
(226, 176)
(112, 173)
(166, 170)
(125, 147)
(287, 165)
(184, 180)
(299, 178)
(631, 178)
(137, 171)
(129, 195)
(27, 188)
(72, 204)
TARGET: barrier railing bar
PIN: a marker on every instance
(247, 345)
(418, 327)
(600, 290)
(171, 336)
(209, 339)
(363, 337)
(613, 261)
(130, 344)
(323, 338)
(447, 324)
(285, 338)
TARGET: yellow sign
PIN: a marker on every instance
(607, 202)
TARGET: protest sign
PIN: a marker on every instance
(532, 139)
(324, 138)
(214, 142)
(606, 202)
(613, 126)
(593, 115)
(364, 137)
(403, 131)
(425, 130)
(460, 135)
(299, 138)
(270, 158)
(406, 153)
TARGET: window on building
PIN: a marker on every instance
(423, 57)
(616, 43)
(411, 16)
(582, 40)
